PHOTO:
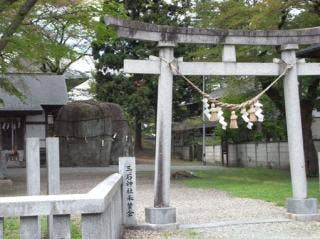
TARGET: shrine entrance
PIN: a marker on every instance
(166, 66)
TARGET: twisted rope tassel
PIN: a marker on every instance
(223, 105)
(255, 111)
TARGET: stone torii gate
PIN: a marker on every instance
(299, 206)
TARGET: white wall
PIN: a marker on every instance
(273, 155)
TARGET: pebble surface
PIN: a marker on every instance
(194, 206)
(201, 206)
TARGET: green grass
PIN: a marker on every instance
(270, 185)
(12, 228)
(179, 234)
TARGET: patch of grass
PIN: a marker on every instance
(179, 162)
(76, 228)
(12, 228)
(182, 234)
(270, 185)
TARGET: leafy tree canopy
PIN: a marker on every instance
(137, 94)
(266, 14)
(53, 34)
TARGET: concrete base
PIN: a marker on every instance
(162, 215)
(156, 227)
(302, 206)
(304, 217)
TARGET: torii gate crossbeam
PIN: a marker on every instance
(299, 206)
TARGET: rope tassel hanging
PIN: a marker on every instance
(215, 112)
(252, 115)
(223, 123)
(233, 120)
(258, 111)
(206, 110)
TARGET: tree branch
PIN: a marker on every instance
(7, 2)
(16, 22)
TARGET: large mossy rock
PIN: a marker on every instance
(92, 134)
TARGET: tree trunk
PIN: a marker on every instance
(16, 22)
(310, 152)
(138, 136)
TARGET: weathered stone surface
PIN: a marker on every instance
(294, 127)
(3, 168)
(163, 133)
(302, 206)
(1, 228)
(93, 202)
(56, 228)
(92, 134)
(304, 217)
(219, 68)
(127, 168)
(151, 32)
(60, 227)
(30, 227)
(162, 215)
(33, 166)
(53, 166)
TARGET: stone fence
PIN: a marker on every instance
(272, 155)
(104, 210)
(100, 211)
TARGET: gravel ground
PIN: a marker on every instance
(290, 230)
(201, 206)
(194, 206)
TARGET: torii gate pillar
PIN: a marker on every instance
(162, 213)
(299, 206)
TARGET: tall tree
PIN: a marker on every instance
(137, 94)
(53, 35)
(16, 21)
(270, 14)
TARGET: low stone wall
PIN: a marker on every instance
(272, 155)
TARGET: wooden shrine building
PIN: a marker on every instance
(32, 115)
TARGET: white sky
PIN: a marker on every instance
(85, 64)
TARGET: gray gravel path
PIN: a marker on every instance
(209, 206)
(194, 206)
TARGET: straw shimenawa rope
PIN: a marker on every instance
(223, 105)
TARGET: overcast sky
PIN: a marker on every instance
(85, 64)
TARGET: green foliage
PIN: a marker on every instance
(137, 94)
(6, 85)
(270, 185)
(265, 14)
(55, 34)
(12, 228)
